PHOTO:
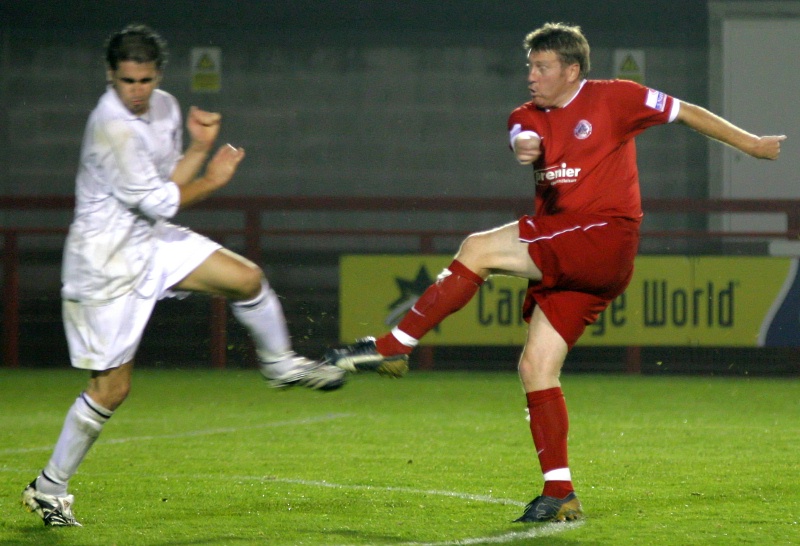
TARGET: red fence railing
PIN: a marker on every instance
(253, 232)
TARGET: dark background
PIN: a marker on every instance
(359, 97)
(342, 98)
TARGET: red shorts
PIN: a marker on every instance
(586, 261)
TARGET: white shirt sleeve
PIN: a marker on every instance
(139, 184)
(161, 204)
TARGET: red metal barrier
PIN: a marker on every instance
(10, 300)
(252, 207)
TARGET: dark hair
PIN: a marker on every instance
(138, 43)
(567, 41)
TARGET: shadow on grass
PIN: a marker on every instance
(516, 535)
(36, 535)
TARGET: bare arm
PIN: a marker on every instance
(717, 128)
(218, 172)
(203, 129)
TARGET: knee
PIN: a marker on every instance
(527, 368)
(539, 373)
(472, 253)
(472, 245)
(250, 279)
(254, 279)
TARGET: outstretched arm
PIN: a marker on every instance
(718, 128)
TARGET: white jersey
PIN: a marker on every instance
(123, 196)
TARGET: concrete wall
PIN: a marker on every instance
(358, 97)
(341, 98)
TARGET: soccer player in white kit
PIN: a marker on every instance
(122, 255)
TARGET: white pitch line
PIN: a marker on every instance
(538, 531)
(356, 487)
(545, 530)
(193, 433)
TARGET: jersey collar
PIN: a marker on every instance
(113, 100)
(583, 82)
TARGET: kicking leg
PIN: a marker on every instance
(481, 254)
(257, 307)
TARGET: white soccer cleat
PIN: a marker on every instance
(54, 511)
(305, 373)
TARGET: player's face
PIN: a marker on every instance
(134, 83)
(551, 83)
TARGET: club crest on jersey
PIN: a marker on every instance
(582, 130)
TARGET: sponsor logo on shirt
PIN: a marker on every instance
(582, 130)
(557, 174)
(656, 100)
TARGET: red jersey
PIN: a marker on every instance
(588, 160)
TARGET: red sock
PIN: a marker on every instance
(444, 297)
(549, 427)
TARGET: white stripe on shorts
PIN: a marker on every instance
(563, 231)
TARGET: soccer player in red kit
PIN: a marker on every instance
(577, 250)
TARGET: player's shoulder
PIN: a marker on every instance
(109, 111)
(528, 108)
(612, 86)
(164, 107)
(160, 94)
(616, 91)
(162, 97)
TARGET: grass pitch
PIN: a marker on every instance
(207, 458)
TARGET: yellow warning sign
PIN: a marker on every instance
(629, 64)
(206, 63)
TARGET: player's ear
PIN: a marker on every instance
(574, 72)
(109, 76)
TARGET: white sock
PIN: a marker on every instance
(263, 318)
(82, 426)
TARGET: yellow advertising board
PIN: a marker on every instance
(671, 301)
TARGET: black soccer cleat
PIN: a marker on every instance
(363, 356)
(543, 509)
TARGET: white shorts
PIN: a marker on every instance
(106, 334)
